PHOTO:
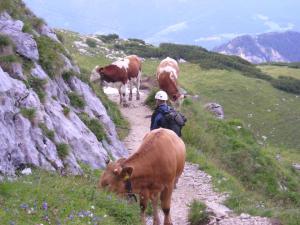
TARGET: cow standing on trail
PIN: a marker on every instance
(120, 73)
(167, 74)
(151, 172)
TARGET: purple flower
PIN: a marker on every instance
(45, 206)
(71, 216)
(24, 206)
(46, 218)
(12, 223)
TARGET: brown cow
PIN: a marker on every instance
(121, 72)
(167, 75)
(151, 172)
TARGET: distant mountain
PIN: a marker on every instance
(268, 47)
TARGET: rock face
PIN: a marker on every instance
(216, 109)
(23, 142)
(25, 44)
(269, 47)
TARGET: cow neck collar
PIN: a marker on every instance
(128, 187)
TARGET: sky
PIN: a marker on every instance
(207, 23)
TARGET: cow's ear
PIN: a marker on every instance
(99, 69)
(126, 172)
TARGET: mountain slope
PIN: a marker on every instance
(48, 117)
(269, 47)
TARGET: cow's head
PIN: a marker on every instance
(95, 75)
(115, 176)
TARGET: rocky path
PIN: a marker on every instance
(193, 184)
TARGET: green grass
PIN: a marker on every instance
(76, 100)
(37, 85)
(94, 125)
(198, 214)
(276, 71)
(69, 200)
(50, 58)
(8, 59)
(63, 150)
(256, 181)
(18, 10)
(47, 132)
(87, 63)
(4, 41)
(66, 75)
(66, 110)
(28, 113)
(27, 65)
(91, 43)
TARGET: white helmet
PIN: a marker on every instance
(161, 95)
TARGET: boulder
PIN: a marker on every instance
(25, 44)
(216, 109)
(96, 109)
(47, 31)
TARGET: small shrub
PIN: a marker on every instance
(66, 110)
(4, 40)
(60, 37)
(62, 150)
(288, 84)
(67, 75)
(198, 214)
(50, 59)
(28, 113)
(8, 59)
(94, 125)
(76, 100)
(150, 101)
(27, 65)
(37, 23)
(27, 28)
(47, 132)
(108, 38)
(91, 43)
(137, 40)
(37, 85)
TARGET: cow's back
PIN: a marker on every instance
(168, 62)
(134, 66)
(160, 157)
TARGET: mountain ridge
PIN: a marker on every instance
(264, 48)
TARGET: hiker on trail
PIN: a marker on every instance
(165, 116)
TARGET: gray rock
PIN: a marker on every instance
(21, 142)
(25, 44)
(47, 31)
(17, 71)
(216, 109)
(69, 65)
(38, 72)
(96, 109)
(71, 130)
(296, 166)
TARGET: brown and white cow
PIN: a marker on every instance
(151, 172)
(167, 74)
(121, 72)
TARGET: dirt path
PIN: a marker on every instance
(193, 183)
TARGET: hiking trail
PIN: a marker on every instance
(193, 183)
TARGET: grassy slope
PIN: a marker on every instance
(239, 166)
(277, 71)
(86, 64)
(70, 200)
(224, 153)
(276, 114)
